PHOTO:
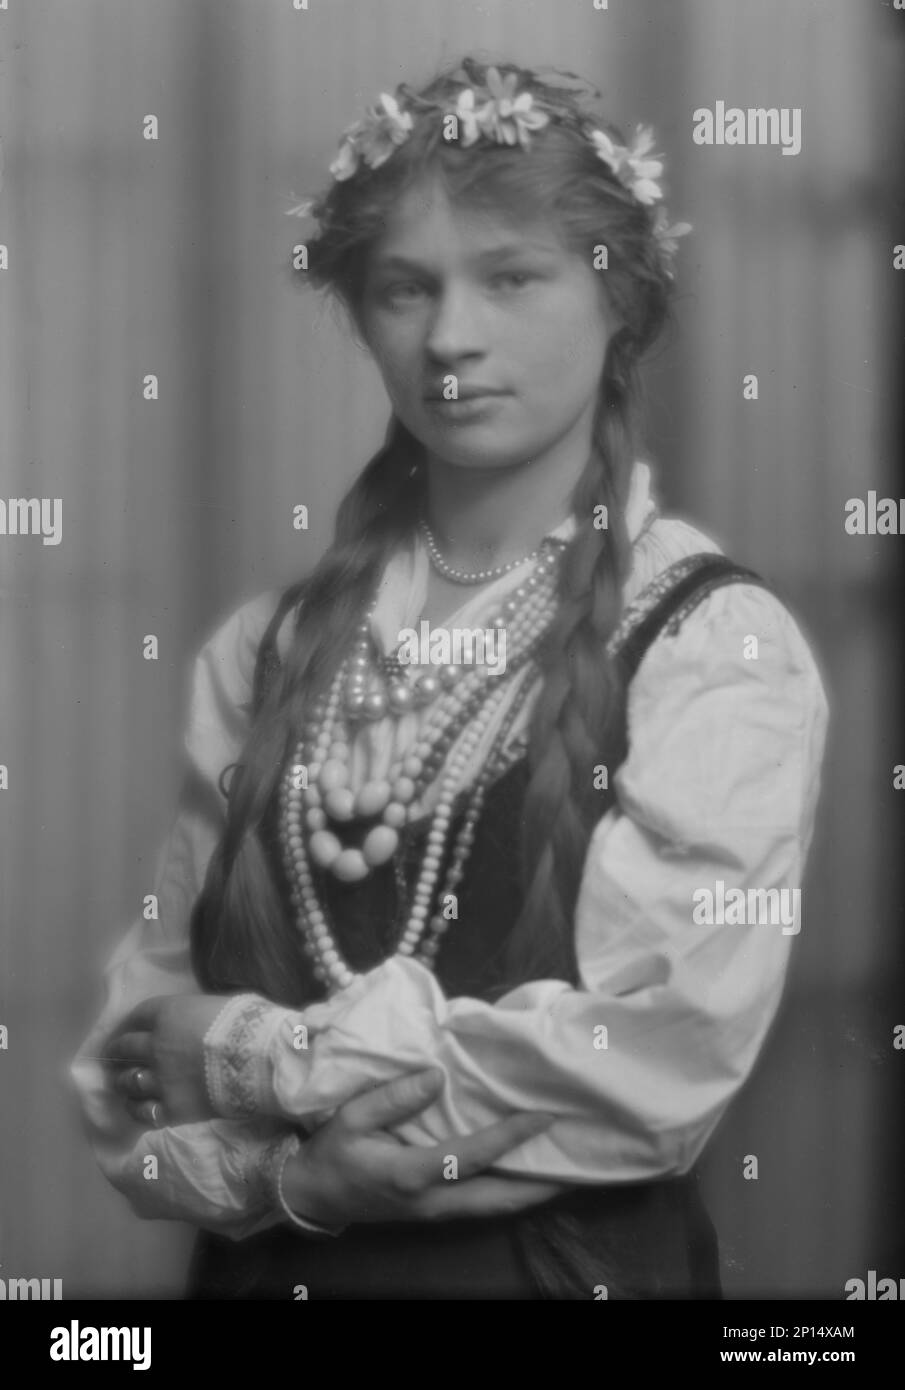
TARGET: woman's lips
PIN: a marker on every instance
(465, 392)
(469, 404)
(466, 407)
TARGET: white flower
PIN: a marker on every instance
(373, 139)
(668, 237)
(607, 150)
(645, 172)
(507, 118)
(646, 191)
(642, 141)
(637, 173)
(469, 117)
(385, 127)
(346, 162)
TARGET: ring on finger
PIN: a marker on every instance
(137, 1082)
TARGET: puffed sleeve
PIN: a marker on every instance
(213, 1174)
(717, 796)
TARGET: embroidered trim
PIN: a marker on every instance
(649, 597)
(707, 586)
(233, 1050)
(663, 606)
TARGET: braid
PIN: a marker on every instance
(235, 937)
(578, 713)
(241, 935)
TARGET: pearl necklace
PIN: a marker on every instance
(424, 931)
(467, 576)
(326, 793)
(453, 730)
(374, 689)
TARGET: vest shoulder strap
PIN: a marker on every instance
(665, 603)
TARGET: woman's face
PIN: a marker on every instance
(514, 316)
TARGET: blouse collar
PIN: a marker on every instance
(639, 508)
(403, 587)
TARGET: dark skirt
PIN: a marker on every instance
(641, 1241)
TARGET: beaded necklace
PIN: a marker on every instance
(442, 566)
(462, 708)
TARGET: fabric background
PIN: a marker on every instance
(130, 257)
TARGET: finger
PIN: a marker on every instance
(416, 1169)
(143, 1017)
(148, 1112)
(475, 1152)
(392, 1102)
(139, 1083)
(130, 1047)
(484, 1196)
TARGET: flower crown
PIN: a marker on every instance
(498, 114)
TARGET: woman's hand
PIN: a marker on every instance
(157, 1054)
(352, 1169)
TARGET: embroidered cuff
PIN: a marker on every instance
(237, 1063)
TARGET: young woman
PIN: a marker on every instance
(477, 1025)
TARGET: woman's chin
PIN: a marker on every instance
(474, 454)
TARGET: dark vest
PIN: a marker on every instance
(639, 1240)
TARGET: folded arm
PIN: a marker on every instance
(226, 1174)
(640, 1062)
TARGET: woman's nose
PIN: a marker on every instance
(456, 325)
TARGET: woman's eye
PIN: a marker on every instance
(402, 292)
(512, 279)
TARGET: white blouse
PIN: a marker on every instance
(638, 1063)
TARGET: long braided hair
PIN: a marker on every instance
(241, 934)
